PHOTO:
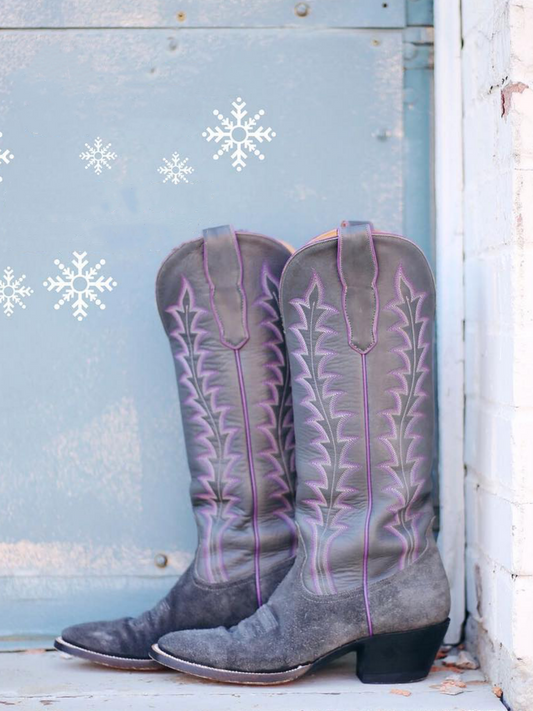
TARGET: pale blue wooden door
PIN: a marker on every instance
(94, 483)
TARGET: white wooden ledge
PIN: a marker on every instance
(31, 681)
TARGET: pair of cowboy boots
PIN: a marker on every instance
(287, 577)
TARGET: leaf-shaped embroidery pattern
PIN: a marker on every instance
(214, 438)
(402, 439)
(278, 428)
(327, 423)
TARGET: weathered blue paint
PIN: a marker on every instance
(93, 476)
(207, 13)
(419, 12)
(418, 137)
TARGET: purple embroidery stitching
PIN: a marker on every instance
(215, 438)
(251, 468)
(327, 421)
(369, 494)
(278, 428)
(402, 438)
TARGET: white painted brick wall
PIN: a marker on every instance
(497, 63)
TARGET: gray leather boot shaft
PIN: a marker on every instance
(358, 311)
(218, 300)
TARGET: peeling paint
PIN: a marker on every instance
(102, 458)
(302, 192)
(507, 92)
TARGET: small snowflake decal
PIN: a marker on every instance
(79, 285)
(97, 156)
(13, 292)
(176, 170)
(5, 157)
(239, 133)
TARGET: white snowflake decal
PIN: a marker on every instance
(5, 157)
(240, 133)
(79, 285)
(13, 292)
(97, 156)
(176, 170)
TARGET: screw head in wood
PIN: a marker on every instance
(161, 560)
(302, 9)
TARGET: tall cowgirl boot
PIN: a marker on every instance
(358, 311)
(219, 303)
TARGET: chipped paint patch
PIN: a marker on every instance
(102, 458)
(507, 93)
(301, 192)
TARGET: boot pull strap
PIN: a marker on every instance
(224, 274)
(358, 271)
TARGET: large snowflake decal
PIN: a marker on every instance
(97, 156)
(240, 134)
(12, 292)
(176, 170)
(5, 157)
(80, 286)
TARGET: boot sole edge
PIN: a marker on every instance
(227, 675)
(106, 660)
(287, 675)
